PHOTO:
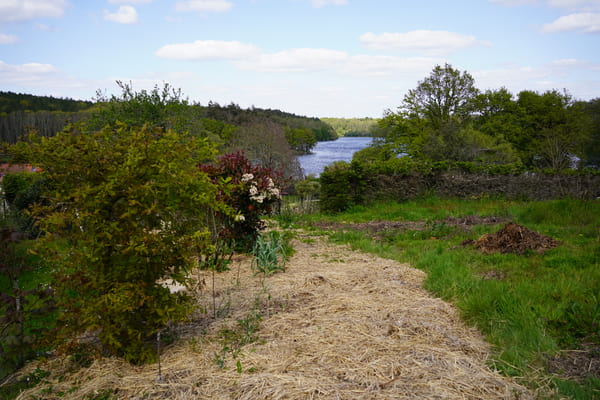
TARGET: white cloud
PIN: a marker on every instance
(26, 74)
(249, 57)
(207, 50)
(294, 60)
(567, 62)
(204, 5)
(44, 27)
(129, 1)
(24, 10)
(7, 39)
(581, 22)
(422, 41)
(124, 15)
(574, 5)
(386, 66)
(322, 3)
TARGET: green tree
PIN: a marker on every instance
(162, 107)
(301, 140)
(445, 94)
(553, 129)
(437, 122)
(125, 212)
(592, 150)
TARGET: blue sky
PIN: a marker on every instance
(319, 58)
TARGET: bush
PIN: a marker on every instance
(342, 186)
(126, 210)
(250, 192)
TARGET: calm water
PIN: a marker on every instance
(324, 153)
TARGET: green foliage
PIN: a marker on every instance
(23, 190)
(591, 156)
(232, 340)
(352, 126)
(10, 102)
(126, 210)
(160, 107)
(301, 140)
(341, 186)
(377, 152)
(250, 192)
(270, 254)
(446, 118)
(14, 184)
(24, 310)
(443, 96)
(13, 389)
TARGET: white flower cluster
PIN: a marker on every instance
(273, 190)
(258, 196)
(247, 177)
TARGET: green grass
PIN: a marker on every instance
(528, 306)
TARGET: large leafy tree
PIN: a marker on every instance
(125, 212)
(435, 122)
(445, 94)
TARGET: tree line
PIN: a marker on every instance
(446, 118)
(11, 102)
(272, 137)
(352, 126)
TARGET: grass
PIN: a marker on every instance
(528, 306)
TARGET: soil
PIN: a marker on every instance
(577, 365)
(513, 238)
(378, 228)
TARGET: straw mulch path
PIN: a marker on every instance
(338, 324)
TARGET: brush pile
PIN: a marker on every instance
(513, 238)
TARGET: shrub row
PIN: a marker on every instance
(346, 184)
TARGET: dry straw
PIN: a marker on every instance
(338, 324)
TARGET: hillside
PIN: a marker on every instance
(352, 126)
(20, 113)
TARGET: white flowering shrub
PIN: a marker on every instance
(250, 190)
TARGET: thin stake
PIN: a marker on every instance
(159, 377)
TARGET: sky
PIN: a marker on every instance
(317, 58)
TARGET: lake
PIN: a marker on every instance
(324, 153)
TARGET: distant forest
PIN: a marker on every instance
(352, 126)
(21, 113)
(271, 138)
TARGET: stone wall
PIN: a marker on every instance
(531, 186)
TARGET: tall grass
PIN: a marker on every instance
(528, 306)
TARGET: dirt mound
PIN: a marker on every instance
(513, 238)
